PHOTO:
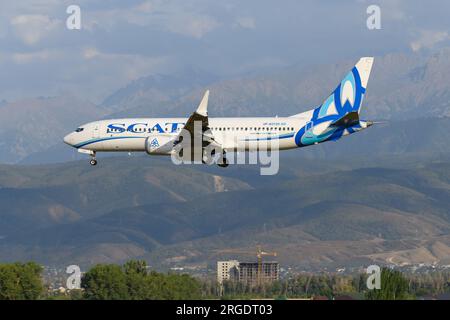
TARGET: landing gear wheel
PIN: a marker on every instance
(93, 162)
(223, 163)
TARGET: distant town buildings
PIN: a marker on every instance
(227, 270)
(249, 273)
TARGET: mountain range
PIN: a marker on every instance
(313, 213)
(33, 125)
(401, 86)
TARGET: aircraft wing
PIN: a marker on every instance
(198, 128)
(200, 115)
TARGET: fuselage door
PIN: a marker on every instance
(96, 130)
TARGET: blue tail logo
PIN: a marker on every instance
(346, 98)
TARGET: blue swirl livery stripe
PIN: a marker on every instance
(91, 141)
(342, 103)
(283, 136)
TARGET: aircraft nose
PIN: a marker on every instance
(69, 139)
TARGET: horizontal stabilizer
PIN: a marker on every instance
(350, 119)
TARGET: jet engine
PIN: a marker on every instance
(159, 144)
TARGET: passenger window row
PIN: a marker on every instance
(252, 128)
(221, 129)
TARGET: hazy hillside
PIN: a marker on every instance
(402, 86)
(51, 195)
(186, 214)
(157, 90)
(32, 125)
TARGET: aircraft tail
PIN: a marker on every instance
(349, 94)
(339, 114)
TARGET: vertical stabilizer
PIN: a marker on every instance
(349, 94)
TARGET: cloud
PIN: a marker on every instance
(127, 66)
(146, 6)
(394, 10)
(123, 40)
(90, 53)
(30, 57)
(193, 25)
(87, 71)
(245, 22)
(428, 39)
(33, 27)
(176, 17)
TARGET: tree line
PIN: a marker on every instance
(131, 281)
(134, 281)
(395, 285)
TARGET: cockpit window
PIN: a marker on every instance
(79, 129)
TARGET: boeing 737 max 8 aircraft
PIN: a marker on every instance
(338, 116)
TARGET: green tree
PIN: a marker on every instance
(133, 281)
(172, 287)
(9, 288)
(105, 282)
(136, 279)
(21, 281)
(183, 287)
(394, 286)
(30, 280)
(135, 266)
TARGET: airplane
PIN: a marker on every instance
(336, 117)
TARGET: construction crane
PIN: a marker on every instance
(259, 255)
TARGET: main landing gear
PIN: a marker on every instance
(223, 162)
(220, 159)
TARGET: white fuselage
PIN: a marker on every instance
(336, 117)
(232, 133)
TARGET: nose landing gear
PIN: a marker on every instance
(93, 161)
(91, 153)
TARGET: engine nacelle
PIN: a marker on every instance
(159, 144)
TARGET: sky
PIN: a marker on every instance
(120, 41)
